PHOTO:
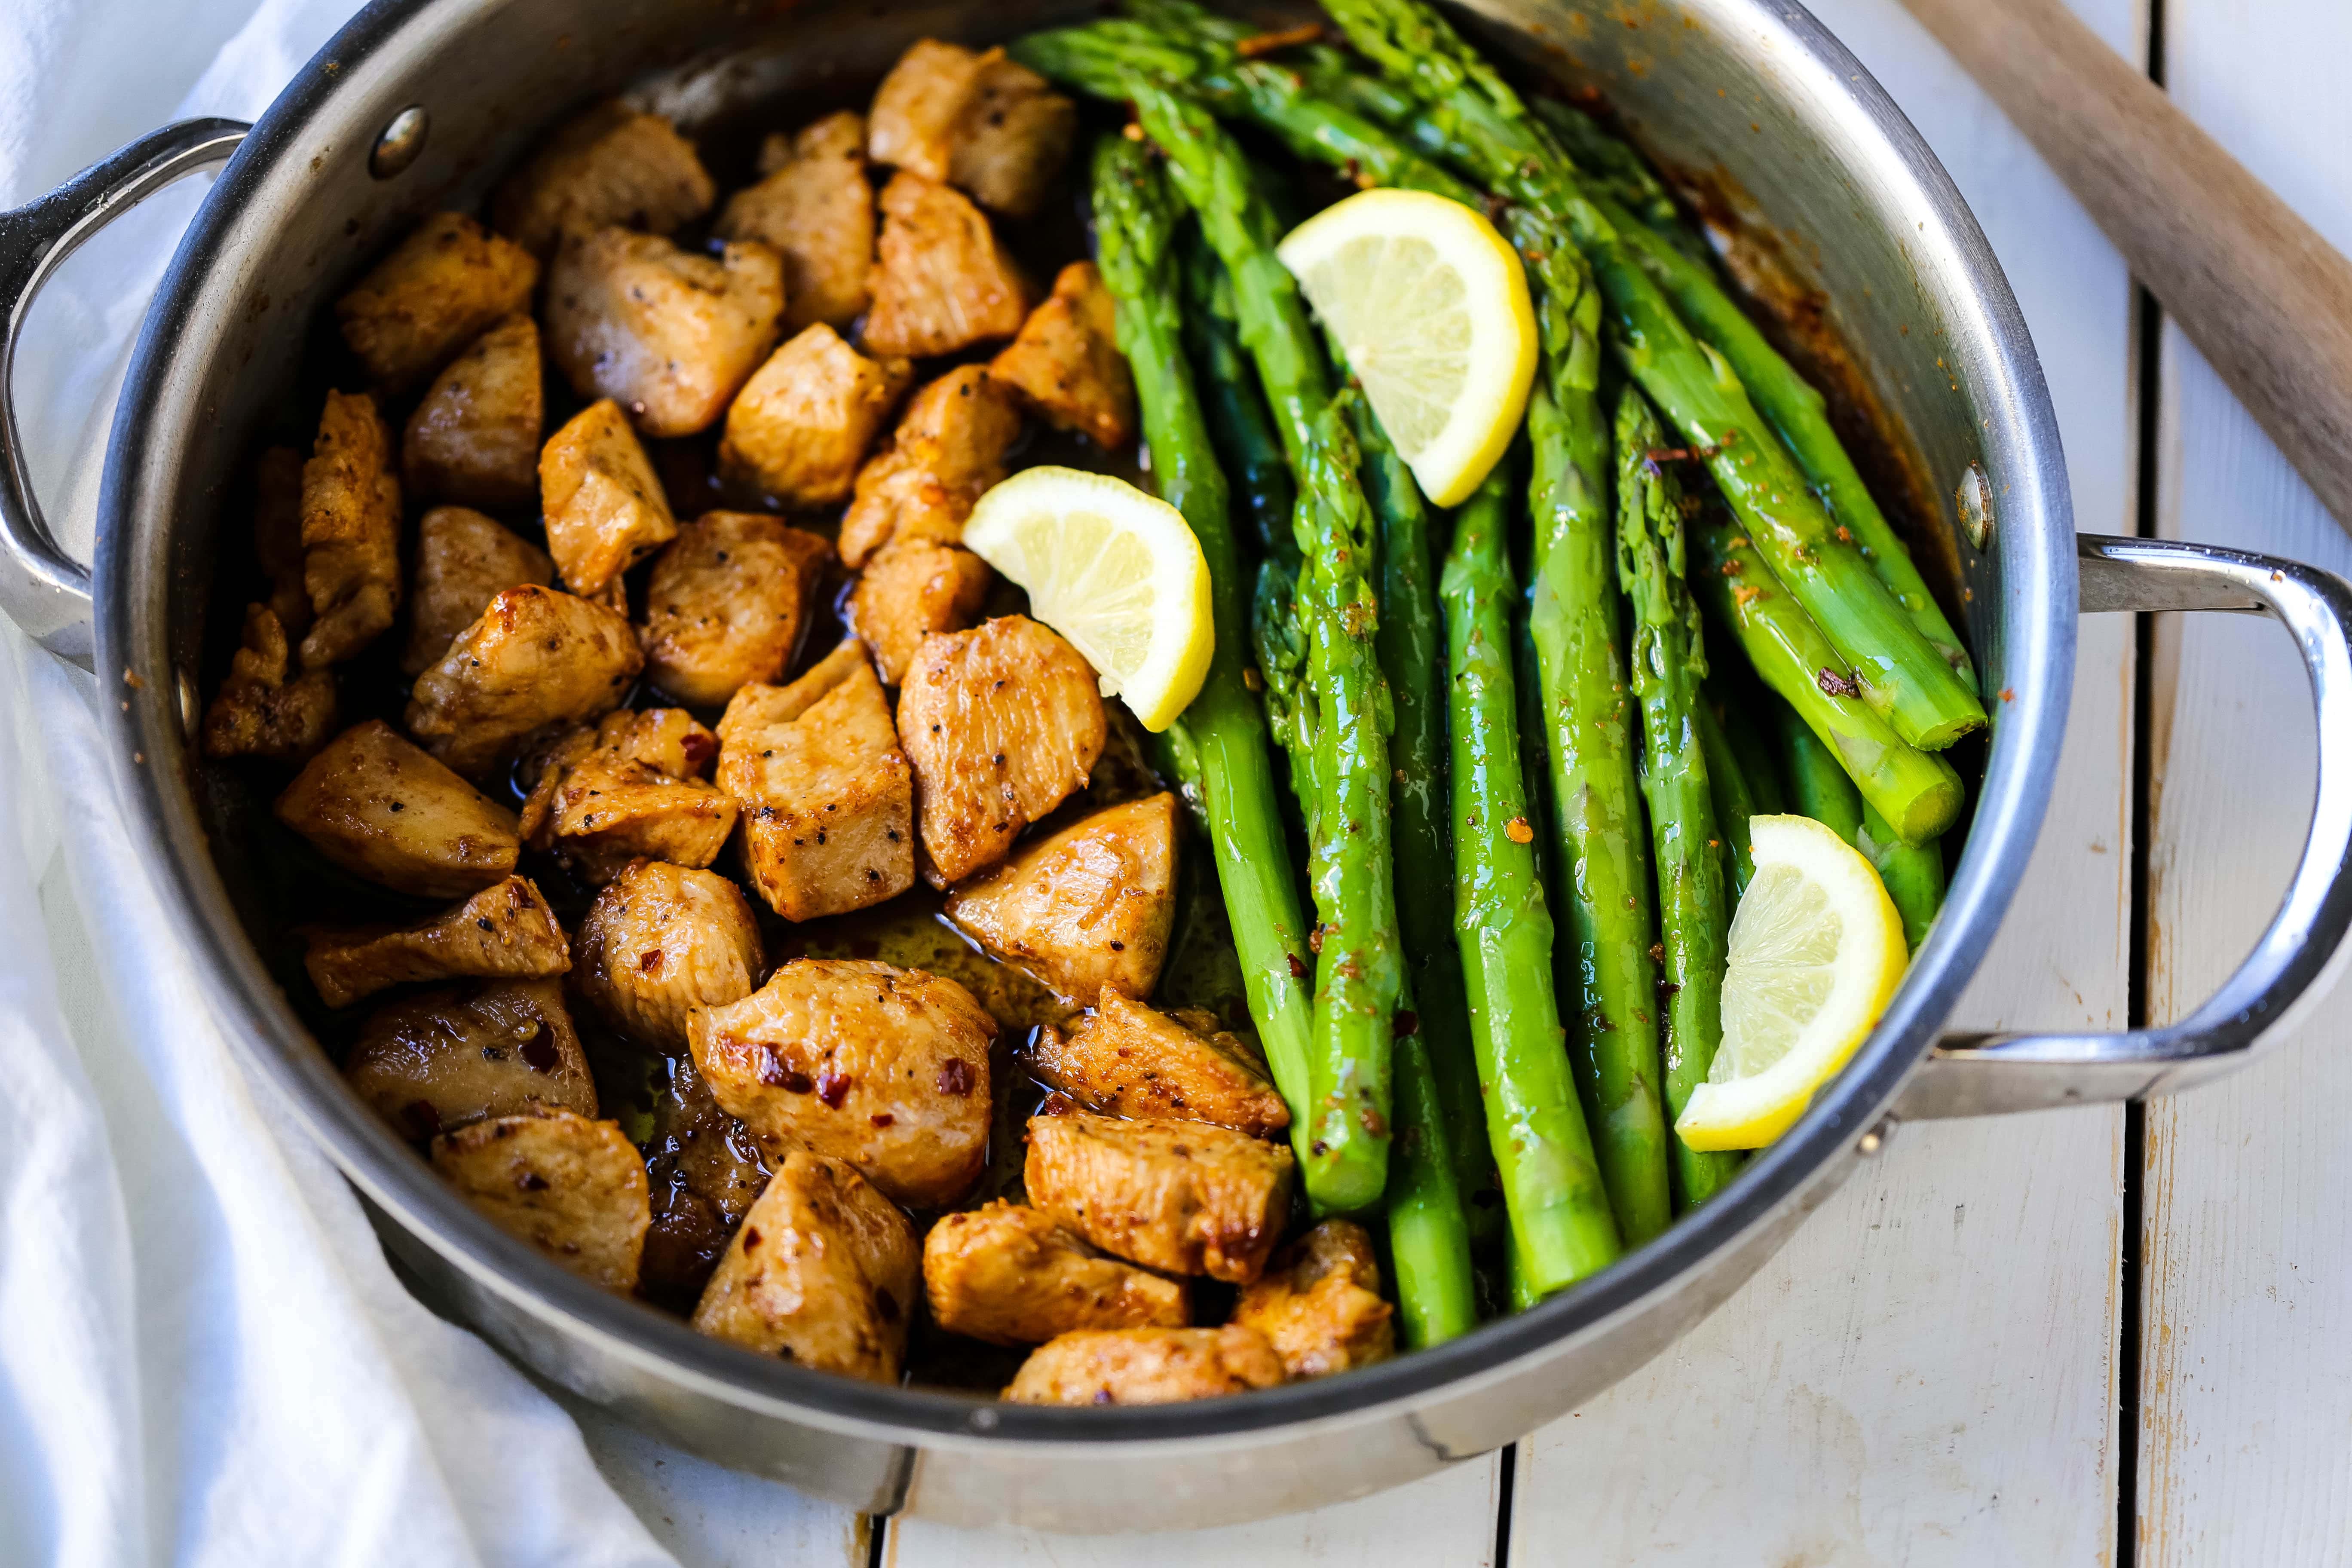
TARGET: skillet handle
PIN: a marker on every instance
(45, 590)
(1975, 1074)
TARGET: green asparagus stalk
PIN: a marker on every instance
(1603, 869)
(1560, 1219)
(1668, 661)
(1611, 167)
(1913, 874)
(1916, 792)
(1471, 117)
(1135, 222)
(1735, 805)
(1818, 787)
(1238, 421)
(1429, 1237)
(1737, 701)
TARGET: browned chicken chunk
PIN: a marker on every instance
(1066, 361)
(1319, 1305)
(884, 1068)
(440, 1060)
(506, 931)
(815, 206)
(260, 711)
(920, 104)
(912, 589)
(1012, 1276)
(1146, 1366)
(382, 809)
(443, 285)
(573, 1188)
(278, 536)
(822, 1271)
(608, 796)
(464, 560)
(827, 796)
(350, 532)
(1013, 139)
(1087, 910)
(474, 439)
(804, 419)
(534, 657)
(941, 283)
(725, 602)
(705, 1172)
(610, 165)
(661, 941)
(1186, 1197)
(605, 507)
(1001, 723)
(667, 334)
(1128, 1059)
(948, 450)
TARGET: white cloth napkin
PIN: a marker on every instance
(203, 1357)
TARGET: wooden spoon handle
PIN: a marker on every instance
(2256, 289)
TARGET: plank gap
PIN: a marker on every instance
(1506, 1473)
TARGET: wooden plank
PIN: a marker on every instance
(2246, 1371)
(1926, 1375)
(1446, 1520)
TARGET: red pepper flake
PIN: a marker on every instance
(955, 1076)
(1298, 971)
(1315, 940)
(833, 1088)
(1845, 537)
(1374, 1124)
(1405, 1025)
(650, 960)
(1249, 48)
(1518, 831)
(1744, 596)
(2008, 694)
(882, 1118)
(1836, 685)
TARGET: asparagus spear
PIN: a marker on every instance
(1612, 166)
(1916, 792)
(1668, 660)
(1429, 1238)
(1358, 969)
(1238, 421)
(1913, 874)
(1818, 787)
(1735, 803)
(1603, 869)
(1560, 1220)
(1135, 221)
(1471, 117)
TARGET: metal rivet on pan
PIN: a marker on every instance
(1974, 499)
(400, 142)
(190, 710)
(984, 1419)
(1872, 1141)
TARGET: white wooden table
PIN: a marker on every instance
(1966, 1357)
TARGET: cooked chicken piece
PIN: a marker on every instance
(1087, 910)
(920, 105)
(258, 712)
(1013, 139)
(1012, 1277)
(350, 532)
(822, 1271)
(815, 206)
(948, 450)
(725, 603)
(573, 1188)
(1128, 1059)
(610, 165)
(446, 285)
(1066, 361)
(827, 796)
(912, 589)
(884, 1068)
(941, 284)
(704, 1172)
(1319, 1305)
(382, 809)
(440, 1060)
(661, 941)
(607, 798)
(475, 437)
(1146, 1366)
(278, 536)
(463, 560)
(605, 510)
(803, 422)
(667, 334)
(506, 931)
(1001, 723)
(534, 657)
(1185, 1198)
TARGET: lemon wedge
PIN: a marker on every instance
(1816, 950)
(1429, 305)
(1114, 570)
